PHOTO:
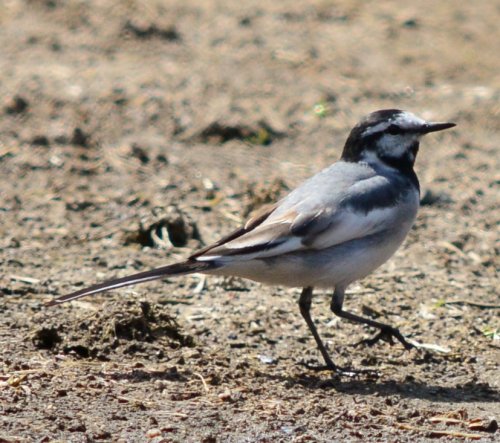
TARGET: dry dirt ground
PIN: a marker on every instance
(132, 133)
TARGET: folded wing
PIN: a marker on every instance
(309, 224)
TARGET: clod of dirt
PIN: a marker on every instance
(165, 228)
(411, 23)
(80, 138)
(151, 30)
(126, 328)
(139, 153)
(260, 194)
(432, 198)
(217, 132)
(16, 105)
(40, 140)
(46, 338)
(486, 425)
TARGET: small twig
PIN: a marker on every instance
(29, 280)
(472, 303)
(137, 401)
(439, 433)
(201, 284)
(430, 347)
(178, 301)
(205, 386)
(231, 216)
(22, 372)
(446, 420)
(173, 414)
(453, 248)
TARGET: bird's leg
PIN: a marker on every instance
(387, 332)
(305, 309)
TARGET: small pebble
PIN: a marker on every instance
(266, 359)
(225, 396)
(152, 433)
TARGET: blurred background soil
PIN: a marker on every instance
(132, 133)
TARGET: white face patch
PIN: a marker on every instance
(408, 120)
(397, 145)
(381, 127)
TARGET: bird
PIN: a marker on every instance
(334, 229)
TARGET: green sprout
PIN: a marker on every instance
(320, 109)
(493, 333)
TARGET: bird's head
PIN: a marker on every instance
(390, 136)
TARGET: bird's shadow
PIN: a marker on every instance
(472, 391)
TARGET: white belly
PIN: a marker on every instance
(327, 268)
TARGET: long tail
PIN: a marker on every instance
(187, 267)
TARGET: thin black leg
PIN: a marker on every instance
(387, 332)
(305, 309)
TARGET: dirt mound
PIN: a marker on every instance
(127, 329)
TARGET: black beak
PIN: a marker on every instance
(433, 127)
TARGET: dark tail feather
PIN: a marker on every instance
(187, 267)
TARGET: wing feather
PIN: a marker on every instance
(316, 221)
(257, 218)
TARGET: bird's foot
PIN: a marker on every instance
(388, 334)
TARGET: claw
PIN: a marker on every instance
(387, 334)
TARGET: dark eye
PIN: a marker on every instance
(393, 130)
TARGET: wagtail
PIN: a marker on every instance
(334, 229)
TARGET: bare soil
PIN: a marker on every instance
(132, 133)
